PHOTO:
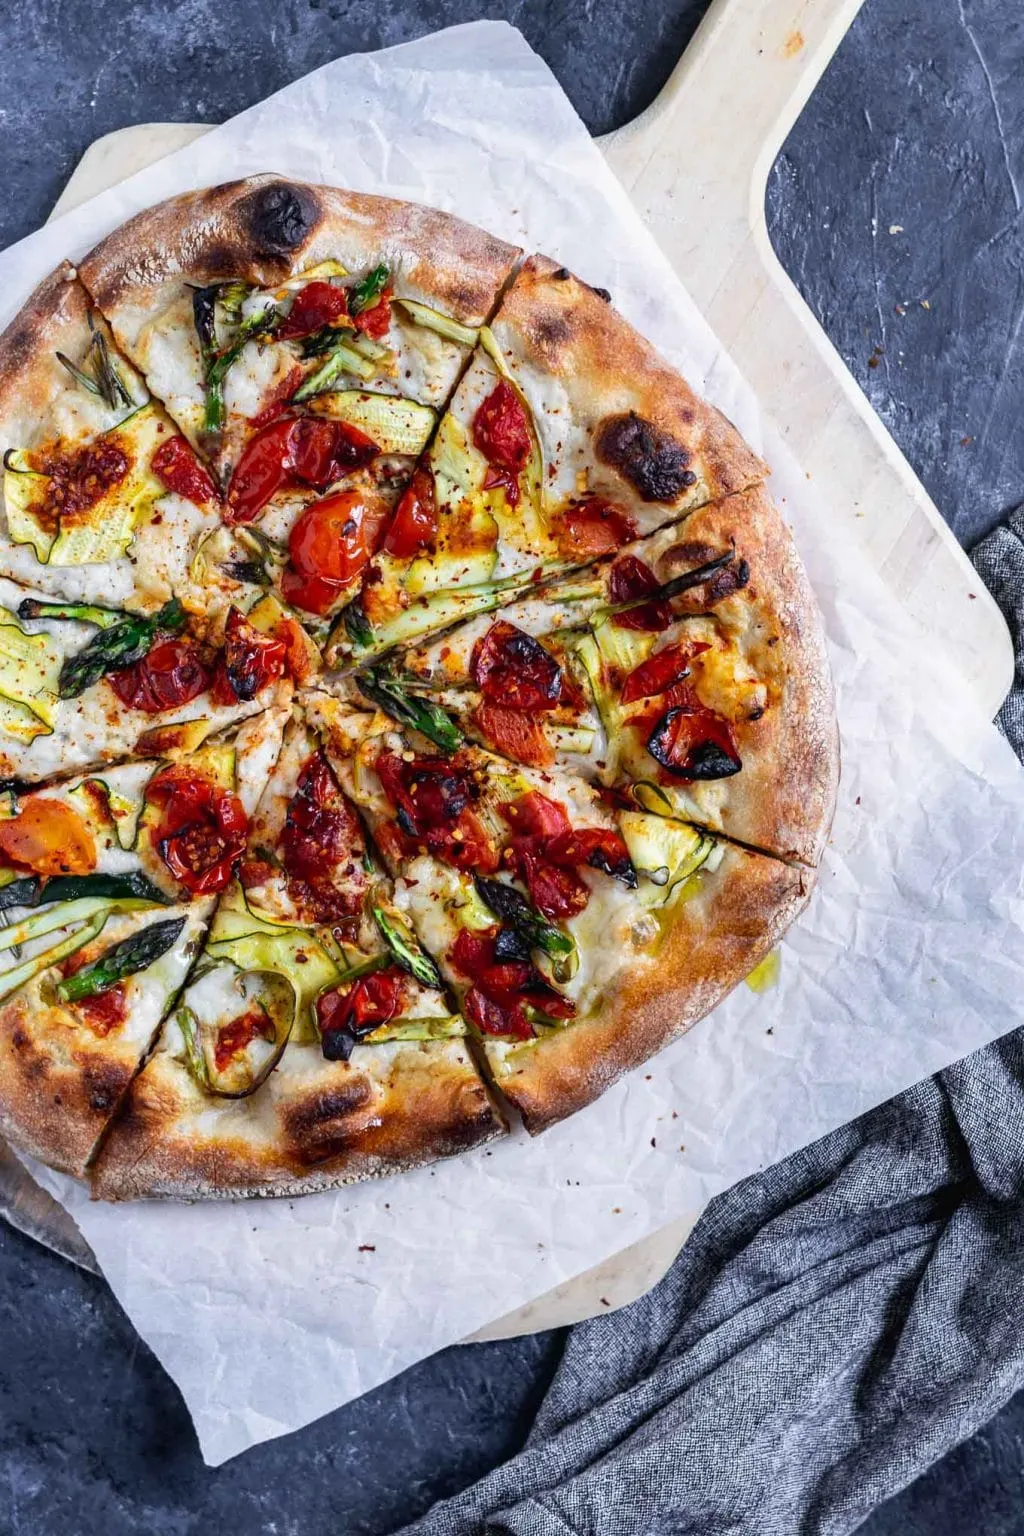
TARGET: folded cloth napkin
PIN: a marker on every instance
(832, 1327)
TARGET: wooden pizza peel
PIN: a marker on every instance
(697, 170)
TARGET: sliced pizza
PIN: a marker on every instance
(106, 886)
(579, 937)
(87, 683)
(314, 1044)
(689, 671)
(567, 438)
(240, 300)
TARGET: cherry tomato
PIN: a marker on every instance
(177, 466)
(555, 891)
(502, 434)
(49, 838)
(295, 450)
(514, 734)
(376, 320)
(593, 528)
(234, 1037)
(249, 662)
(599, 847)
(692, 743)
(321, 833)
(510, 667)
(329, 546)
(414, 525)
(172, 673)
(79, 477)
(315, 305)
(433, 799)
(534, 815)
(357, 1008)
(202, 830)
(661, 671)
(631, 579)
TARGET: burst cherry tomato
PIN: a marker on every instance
(322, 837)
(693, 743)
(534, 815)
(502, 989)
(357, 1008)
(316, 305)
(631, 579)
(511, 668)
(433, 799)
(661, 671)
(555, 891)
(294, 451)
(234, 1037)
(171, 674)
(376, 320)
(593, 528)
(249, 662)
(202, 829)
(177, 466)
(502, 434)
(414, 525)
(329, 546)
(514, 734)
(599, 847)
(48, 838)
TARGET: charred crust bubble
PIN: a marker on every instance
(652, 461)
(602, 293)
(280, 217)
(562, 275)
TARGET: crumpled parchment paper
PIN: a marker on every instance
(268, 1314)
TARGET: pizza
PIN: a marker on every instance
(413, 707)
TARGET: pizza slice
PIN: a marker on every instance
(241, 300)
(87, 683)
(314, 1044)
(689, 671)
(106, 886)
(567, 438)
(579, 937)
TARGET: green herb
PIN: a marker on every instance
(362, 294)
(216, 362)
(133, 954)
(514, 909)
(405, 948)
(341, 359)
(105, 380)
(383, 689)
(118, 646)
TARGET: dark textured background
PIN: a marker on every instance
(919, 123)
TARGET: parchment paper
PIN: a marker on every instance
(271, 1313)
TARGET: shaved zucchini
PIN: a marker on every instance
(577, 740)
(244, 1071)
(465, 554)
(24, 492)
(437, 611)
(123, 791)
(20, 975)
(319, 272)
(666, 853)
(29, 680)
(434, 320)
(623, 649)
(451, 1027)
(396, 425)
(458, 468)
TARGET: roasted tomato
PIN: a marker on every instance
(691, 742)
(256, 1024)
(202, 829)
(592, 528)
(433, 799)
(48, 838)
(321, 840)
(534, 815)
(316, 305)
(329, 547)
(78, 478)
(294, 451)
(414, 525)
(172, 673)
(376, 319)
(514, 734)
(599, 847)
(502, 434)
(177, 466)
(629, 580)
(661, 671)
(249, 662)
(556, 891)
(357, 1008)
(511, 668)
(502, 989)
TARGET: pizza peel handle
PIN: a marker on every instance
(696, 166)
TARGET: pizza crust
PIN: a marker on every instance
(605, 402)
(717, 937)
(313, 1125)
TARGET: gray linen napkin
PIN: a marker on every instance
(832, 1327)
